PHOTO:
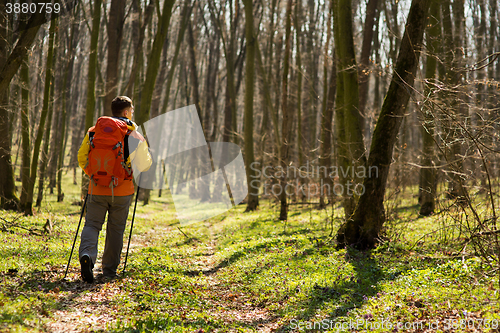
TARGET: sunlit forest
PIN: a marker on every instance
(369, 131)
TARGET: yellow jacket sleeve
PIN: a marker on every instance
(83, 152)
(141, 157)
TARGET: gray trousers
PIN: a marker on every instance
(117, 209)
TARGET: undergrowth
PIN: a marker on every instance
(214, 275)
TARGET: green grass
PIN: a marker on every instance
(240, 270)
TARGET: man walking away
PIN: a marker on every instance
(106, 155)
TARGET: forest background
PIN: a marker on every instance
(408, 87)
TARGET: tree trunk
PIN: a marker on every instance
(298, 34)
(25, 124)
(364, 61)
(148, 14)
(45, 108)
(362, 230)
(287, 117)
(68, 75)
(428, 173)
(351, 152)
(56, 134)
(194, 73)
(453, 78)
(8, 68)
(326, 140)
(142, 114)
(325, 146)
(115, 34)
(48, 130)
(251, 40)
(180, 37)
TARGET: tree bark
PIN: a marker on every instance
(148, 14)
(143, 112)
(251, 40)
(298, 34)
(428, 173)
(116, 19)
(453, 51)
(364, 61)
(25, 124)
(180, 37)
(326, 140)
(9, 66)
(325, 146)
(362, 230)
(287, 117)
(48, 130)
(228, 43)
(351, 152)
(68, 75)
(45, 108)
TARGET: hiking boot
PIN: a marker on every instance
(86, 264)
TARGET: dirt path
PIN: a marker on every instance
(229, 305)
(89, 308)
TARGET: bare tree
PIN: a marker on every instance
(116, 20)
(287, 116)
(362, 230)
(428, 173)
(251, 41)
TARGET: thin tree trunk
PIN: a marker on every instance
(326, 140)
(428, 173)
(68, 75)
(251, 40)
(136, 65)
(25, 124)
(48, 130)
(173, 64)
(329, 87)
(287, 119)
(364, 61)
(45, 108)
(143, 112)
(115, 33)
(298, 34)
(453, 61)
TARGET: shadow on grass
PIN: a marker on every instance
(232, 258)
(41, 285)
(348, 293)
(158, 323)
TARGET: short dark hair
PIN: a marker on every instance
(119, 104)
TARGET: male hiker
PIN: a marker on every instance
(106, 155)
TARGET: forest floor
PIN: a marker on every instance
(245, 272)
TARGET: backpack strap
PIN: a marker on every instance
(126, 151)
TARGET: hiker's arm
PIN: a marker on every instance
(141, 157)
(83, 152)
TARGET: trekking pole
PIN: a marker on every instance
(76, 235)
(131, 226)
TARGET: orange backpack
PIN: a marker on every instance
(106, 160)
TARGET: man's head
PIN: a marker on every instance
(122, 106)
